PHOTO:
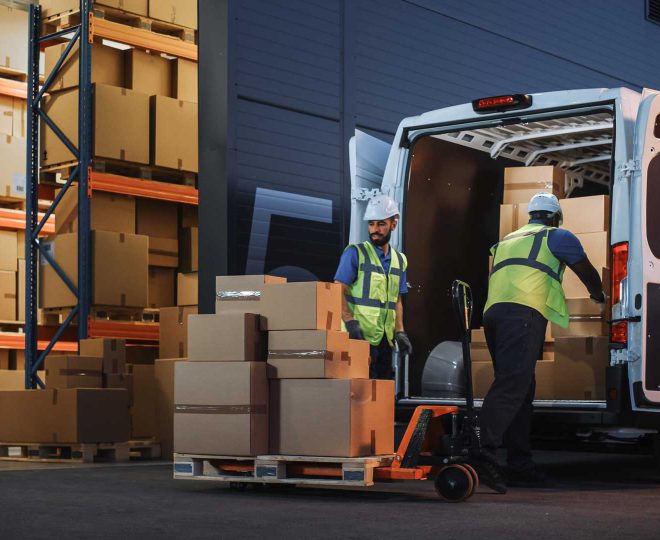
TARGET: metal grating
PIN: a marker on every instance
(653, 11)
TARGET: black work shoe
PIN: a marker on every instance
(531, 477)
(490, 474)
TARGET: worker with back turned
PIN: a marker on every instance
(373, 278)
(524, 293)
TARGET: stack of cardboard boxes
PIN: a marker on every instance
(573, 361)
(272, 372)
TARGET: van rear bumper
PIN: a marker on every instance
(555, 405)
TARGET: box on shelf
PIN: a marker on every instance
(164, 402)
(184, 80)
(107, 67)
(13, 38)
(313, 354)
(173, 331)
(301, 306)
(8, 251)
(14, 379)
(7, 296)
(186, 289)
(181, 12)
(55, 7)
(72, 415)
(573, 287)
(120, 120)
(148, 73)
(241, 294)
(157, 218)
(586, 214)
(12, 172)
(189, 215)
(108, 212)
(221, 408)
(6, 115)
(174, 149)
(331, 417)
(4, 359)
(226, 338)
(581, 363)
(188, 249)
(119, 270)
(163, 252)
(597, 247)
(522, 183)
(112, 351)
(161, 286)
(20, 118)
(143, 410)
(586, 318)
(20, 291)
(72, 371)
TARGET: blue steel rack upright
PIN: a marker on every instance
(78, 34)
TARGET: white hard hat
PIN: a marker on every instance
(545, 202)
(381, 207)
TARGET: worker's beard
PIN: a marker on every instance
(380, 241)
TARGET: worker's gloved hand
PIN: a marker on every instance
(600, 298)
(354, 330)
(405, 347)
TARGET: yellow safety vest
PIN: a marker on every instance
(526, 272)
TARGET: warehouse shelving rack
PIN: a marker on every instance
(82, 177)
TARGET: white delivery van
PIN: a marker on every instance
(445, 168)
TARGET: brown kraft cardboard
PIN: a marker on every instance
(173, 331)
(226, 338)
(186, 289)
(174, 149)
(241, 294)
(70, 371)
(522, 183)
(112, 351)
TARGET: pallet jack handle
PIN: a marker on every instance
(461, 295)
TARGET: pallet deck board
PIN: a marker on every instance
(79, 452)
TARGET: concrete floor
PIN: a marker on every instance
(595, 496)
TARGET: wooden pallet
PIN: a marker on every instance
(56, 316)
(305, 470)
(12, 326)
(80, 453)
(71, 18)
(59, 173)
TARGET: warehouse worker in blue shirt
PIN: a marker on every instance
(524, 293)
(373, 278)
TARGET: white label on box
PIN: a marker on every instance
(18, 183)
(48, 247)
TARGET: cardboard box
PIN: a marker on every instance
(119, 270)
(141, 354)
(512, 217)
(181, 12)
(479, 348)
(157, 218)
(71, 371)
(331, 417)
(108, 212)
(54, 7)
(107, 66)
(359, 353)
(184, 80)
(20, 291)
(573, 287)
(173, 331)
(189, 215)
(581, 363)
(13, 38)
(4, 359)
(186, 289)
(163, 252)
(12, 379)
(313, 354)
(226, 338)
(586, 318)
(586, 214)
(148, 73)
(20, 118)
(241, 294)
(6, 115)
(72, 415)
(120, 120)
(112, 351)
(8, 251)
(120, 380)
(221, 408)
(522, 183)
(7, 296)
(143, 411)
(161, 286)
(483, 376)
(597, 247)
(302, 306)
(12, 172)
(174, 149)
(189, 250)
(164, 374)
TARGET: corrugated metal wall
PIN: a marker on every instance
(304, 73)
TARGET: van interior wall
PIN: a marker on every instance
(451, 221)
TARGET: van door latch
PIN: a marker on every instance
(364, 194)
(629, 167)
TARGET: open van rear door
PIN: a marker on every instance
(647, 157)
(368, 158)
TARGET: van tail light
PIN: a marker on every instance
(619, 330)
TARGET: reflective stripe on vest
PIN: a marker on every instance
(372, 298)
(526, 272)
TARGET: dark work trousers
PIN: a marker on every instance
(381, 361)
(515, 335)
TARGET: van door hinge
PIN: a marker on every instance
(623, 356)
(628, 168)
(364, 194)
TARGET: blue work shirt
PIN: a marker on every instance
(347, 270)
(564, 245)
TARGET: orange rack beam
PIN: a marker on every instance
(125, 185)
(11, 88)
(141, 38)
(17, 341)
(15, 219)
(129, 330)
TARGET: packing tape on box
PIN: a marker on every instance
(530, 185)
(221, 409)
(238, 295)
(306, 354)
(78, 372)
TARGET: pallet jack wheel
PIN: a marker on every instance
(238, 486)
(475, 477)
(454, 483)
